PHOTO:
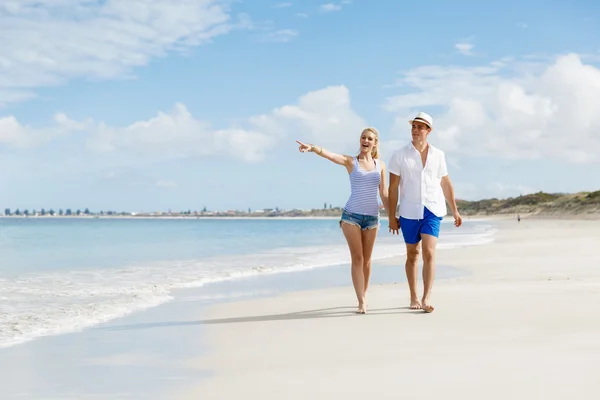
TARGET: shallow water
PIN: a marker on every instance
(60, 275)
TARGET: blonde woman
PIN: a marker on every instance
(360, 218)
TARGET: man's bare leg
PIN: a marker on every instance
(411, 267)
(429, 244)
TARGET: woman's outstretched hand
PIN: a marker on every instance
(304, 147)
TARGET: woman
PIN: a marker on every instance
(360, 218)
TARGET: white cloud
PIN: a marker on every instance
(48, 42)
(327, 8)
(509, 109)
(324, 116)
(464, 48)
(330, 7)
(14, 134)
(280, 36)
(282, 5)
(268, 31)
(177, 134)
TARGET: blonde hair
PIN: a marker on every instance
(375, 151)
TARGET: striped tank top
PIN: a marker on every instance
(364, 186)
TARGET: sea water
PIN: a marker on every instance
(59, 275)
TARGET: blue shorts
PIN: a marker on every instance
(360, 220)
(413, 228)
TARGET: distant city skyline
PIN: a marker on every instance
(171, 105)
(249, 210)
(202, 210)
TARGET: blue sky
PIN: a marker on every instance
(175, 104)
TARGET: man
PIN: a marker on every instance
(419, 170)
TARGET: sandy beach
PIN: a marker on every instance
(524, 324)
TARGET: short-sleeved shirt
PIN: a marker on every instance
(420, 186)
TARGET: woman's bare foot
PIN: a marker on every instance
(362, 307)
(415, 304)
(426, 306)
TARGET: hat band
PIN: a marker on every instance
(422, 120)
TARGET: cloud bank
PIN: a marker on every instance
(324, 116)
(49, 42)
(505, 109)
(508, 109)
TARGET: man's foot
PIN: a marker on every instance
(428, 308)
(415, 304)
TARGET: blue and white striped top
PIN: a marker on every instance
(364, 186)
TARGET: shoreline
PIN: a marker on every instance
(165, 294)
(473, 217)
(136, 350)
(447, 273)
(479, 328)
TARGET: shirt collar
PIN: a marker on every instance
(411, 146)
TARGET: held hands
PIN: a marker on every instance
(394, 226)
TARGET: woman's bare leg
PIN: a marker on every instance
(354, 239)
(368, 242)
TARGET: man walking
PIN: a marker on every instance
(419, 171)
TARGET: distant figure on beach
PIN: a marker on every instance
(360, 218)
(518, 217)
(419, 171)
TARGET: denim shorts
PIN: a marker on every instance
(361, 220)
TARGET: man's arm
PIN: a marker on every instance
(393, 195)
(394, 168)
(448, 190)
(393, 203)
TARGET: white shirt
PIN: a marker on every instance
(419, 187)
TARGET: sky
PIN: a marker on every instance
(152, 105)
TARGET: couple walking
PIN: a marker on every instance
(418, 170)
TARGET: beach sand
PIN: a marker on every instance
(525, 324)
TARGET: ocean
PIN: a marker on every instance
(62, 275)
